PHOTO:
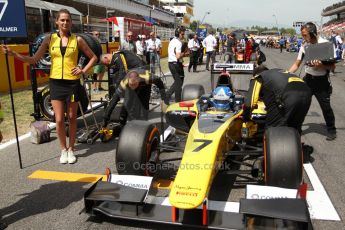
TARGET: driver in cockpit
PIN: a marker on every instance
(221, 99)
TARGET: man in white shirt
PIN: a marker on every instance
(210, 44)
(317, 77)
(140, 45)
(154, 47)
(175, 55)
(193, 46)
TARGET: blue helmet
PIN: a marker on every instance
(221, 96)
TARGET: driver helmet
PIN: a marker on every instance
(221, 98)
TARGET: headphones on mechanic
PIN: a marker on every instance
(178, 30)
(311, 28)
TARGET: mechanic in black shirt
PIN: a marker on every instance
(135, 100)
(120, 63)
(286, 97)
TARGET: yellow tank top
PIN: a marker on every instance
(62, 65)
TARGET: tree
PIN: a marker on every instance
(193, 25)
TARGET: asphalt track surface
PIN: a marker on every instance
(53, 204)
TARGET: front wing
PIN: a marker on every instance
(122, 202)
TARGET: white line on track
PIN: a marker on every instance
(27, 135)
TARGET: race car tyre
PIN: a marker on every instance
(283, 158)
(138, 141)
(94, 45)
(47, 108)
(45, 104)
(45, 62)
(192, 91)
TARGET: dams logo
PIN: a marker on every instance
(3, 6)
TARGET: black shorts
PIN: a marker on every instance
(65, 90)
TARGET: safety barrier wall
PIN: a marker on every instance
(20, 71)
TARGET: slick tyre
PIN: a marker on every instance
(283, 158)
(192, 91)
(94, 45)
(46, 105)
(45, 62)
(47, 108)
(138, 140)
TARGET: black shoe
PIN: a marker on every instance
(331, 135)
(307, 151)
(3, 225)
(166, 101)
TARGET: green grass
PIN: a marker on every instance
(23, 106)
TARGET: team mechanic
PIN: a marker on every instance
(287, 98)
(135, 98)
(120, 63)
(175, 55)
(317, 78)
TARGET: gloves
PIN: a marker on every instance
(246, 114)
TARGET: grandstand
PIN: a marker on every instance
(336, 19)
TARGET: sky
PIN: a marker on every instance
(260, 12)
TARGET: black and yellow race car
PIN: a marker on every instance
(209, 131)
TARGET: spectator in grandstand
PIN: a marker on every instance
(317, 77)
(194, 46)
(210, 43)
(128, 43)
(98, 69)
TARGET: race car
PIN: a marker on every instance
(209, 131)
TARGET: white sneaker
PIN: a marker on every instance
(64, 156)
(71, 158)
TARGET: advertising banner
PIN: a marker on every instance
(12, 19)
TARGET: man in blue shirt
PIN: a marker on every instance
(281, 44)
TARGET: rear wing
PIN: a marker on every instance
(247, 68)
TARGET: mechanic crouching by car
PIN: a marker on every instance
(286, 97)
(317, 77)
(135, 99)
